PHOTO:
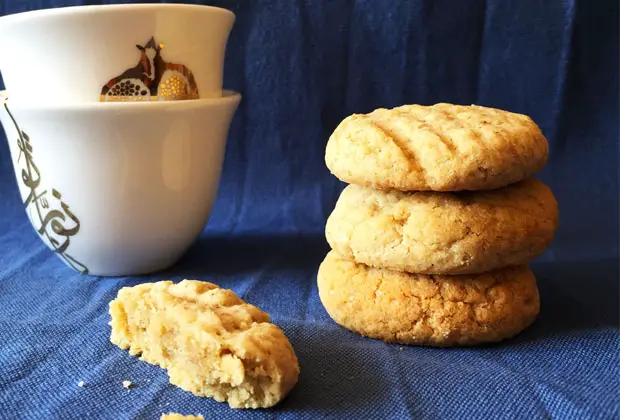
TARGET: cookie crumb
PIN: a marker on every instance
(81, 384)
(127, 384)
(177, 416)
(401, 349)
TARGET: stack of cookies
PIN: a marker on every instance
(431, 239)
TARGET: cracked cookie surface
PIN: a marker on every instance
(444, 233)
(428, 310)
(211, 342)
(443, 147)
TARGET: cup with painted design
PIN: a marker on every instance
(122, 188)
(127, 52)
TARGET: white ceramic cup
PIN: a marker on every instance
(136, 51)
(118, 189)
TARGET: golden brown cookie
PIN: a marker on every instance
(428, 310)
(177, 416)
(444, 233)
(443, 147)
(212, 343)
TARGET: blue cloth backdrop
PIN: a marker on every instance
(302, 66)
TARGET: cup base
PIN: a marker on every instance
(137, 270)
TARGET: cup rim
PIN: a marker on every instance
(228, 97)
(106, 8)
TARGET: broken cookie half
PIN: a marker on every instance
(211, 342)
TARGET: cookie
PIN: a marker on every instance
(428, 310)
(211, 342)
(443, 147)
(177, 416)
(444, 233)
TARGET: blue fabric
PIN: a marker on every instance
(302, 66)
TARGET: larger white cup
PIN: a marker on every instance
(123, 188)
(115, 52)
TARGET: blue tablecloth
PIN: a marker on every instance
(302, 66)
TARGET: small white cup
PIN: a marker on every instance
(118, 189)
(115, 52)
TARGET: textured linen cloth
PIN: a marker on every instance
(302, 66)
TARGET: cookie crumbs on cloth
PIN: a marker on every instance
(127, 384)
(81, 384)
(211, 342)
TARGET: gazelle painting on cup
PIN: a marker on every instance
(151, 79)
